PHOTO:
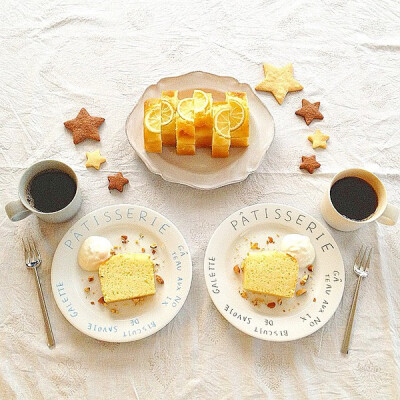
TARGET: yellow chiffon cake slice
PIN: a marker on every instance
(270, 272)
(185, 130)
(221, 139)
(152, 126)
(169, 101)
(203, 119)
(127, 276)
(239, 118)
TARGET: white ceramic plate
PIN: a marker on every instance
(133, 321)
(202, 171)
(303, 315)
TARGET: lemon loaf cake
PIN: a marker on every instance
(169, 101)
(270, 272)
(185, 130)
(221, 139)
(239, 118)
(203, 120)
(127, 276)
(152, 126)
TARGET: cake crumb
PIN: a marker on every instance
(141, 235)
(91, 278)
(300, 292)
(236, 269)
(279, 301)
(114, 311)
(270, 240)
(101, 300)
(92, 302)
(254, 246)
(271, 305)
(314, 300)
(113, 253)
(310, 268)
(243, 294)
(87, 289)
(159, 279)
(304, 279)
(143, 249)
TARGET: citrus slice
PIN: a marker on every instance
(152, 120)
(185, 109)
(237, 114)
(221, 123)
(167, 112)
(200, 100)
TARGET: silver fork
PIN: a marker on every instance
(33, 261)
(361, 268)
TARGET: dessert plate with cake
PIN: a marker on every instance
(274, 272)
(121, 273)
(200, 129)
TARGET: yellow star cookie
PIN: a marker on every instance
(318, 139)
(94, 159)
(279, 81)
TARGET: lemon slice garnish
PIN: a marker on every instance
(167, 112)
(152, 119)
(221, 123)
(200, 100)
(237, 114)
(186, 110)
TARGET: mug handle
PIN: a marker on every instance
(16, 210)
(390, 215)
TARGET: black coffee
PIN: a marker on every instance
(50, 190)
(354, 198)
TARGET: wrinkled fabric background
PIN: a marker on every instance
(58, 56)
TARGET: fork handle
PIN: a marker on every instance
(49, 332)
(349, 327)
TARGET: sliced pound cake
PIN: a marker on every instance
(270, 272)
(127, 276)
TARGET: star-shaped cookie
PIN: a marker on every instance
(117, 181)
(309, 163)
(94, 159)
(84, 126)
(309, 111)
(318, 139)
(279, 81)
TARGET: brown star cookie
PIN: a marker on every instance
(309, 163)
(309, 111)
(84, 126)
(117, 181)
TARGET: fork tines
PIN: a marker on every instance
(31, 252)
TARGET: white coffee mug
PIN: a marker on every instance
(385, 213)
(19, 209)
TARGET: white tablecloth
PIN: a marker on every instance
(56, 57)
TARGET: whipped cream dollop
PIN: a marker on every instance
(93, 251)
(300, 247)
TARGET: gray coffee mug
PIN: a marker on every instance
(20, 209)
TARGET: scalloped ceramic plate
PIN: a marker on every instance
(201, 170)
(296, 317)
(143, 226)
